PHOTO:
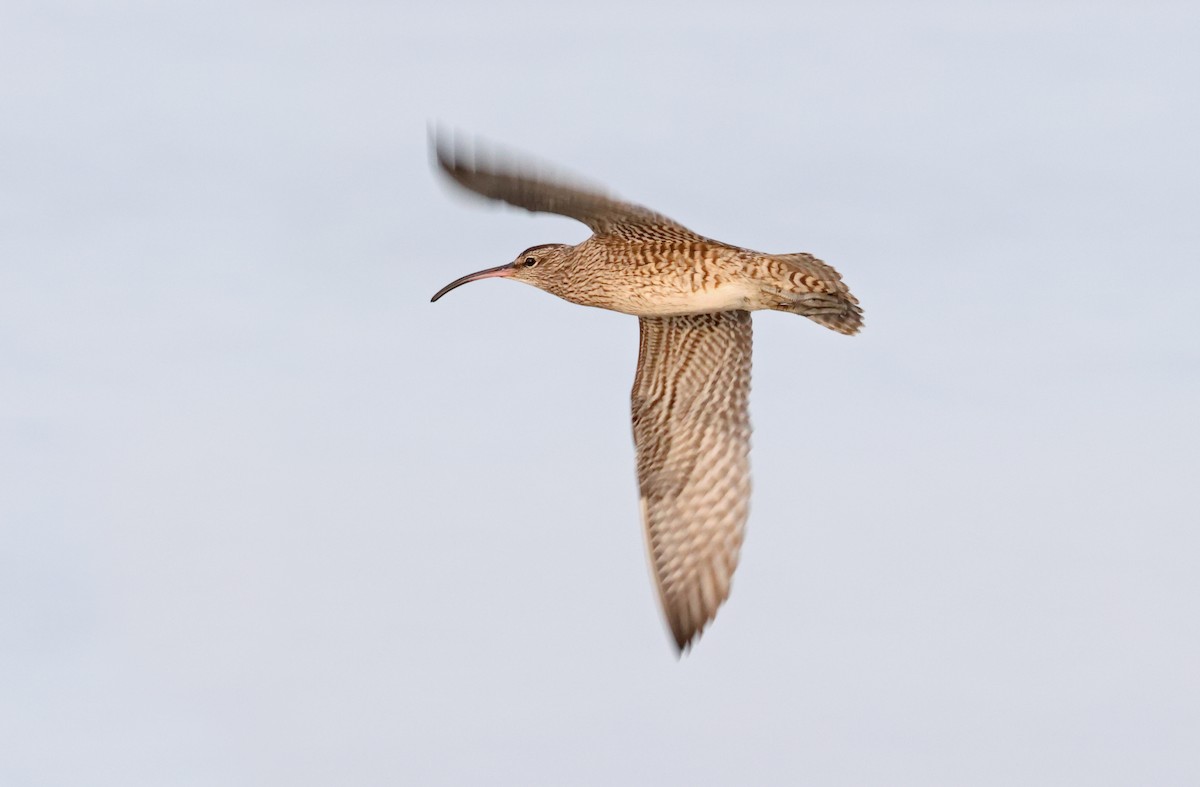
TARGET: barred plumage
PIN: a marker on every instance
(693, 296)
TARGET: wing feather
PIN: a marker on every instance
(691, 428)
(521, 185)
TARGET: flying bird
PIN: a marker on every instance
(692, 296)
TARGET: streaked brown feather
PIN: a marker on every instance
(691, 428)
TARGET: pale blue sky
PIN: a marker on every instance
(267, 516)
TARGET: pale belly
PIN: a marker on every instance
(665, 302)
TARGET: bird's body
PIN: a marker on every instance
(669, 277)
(693, 296)
(657, 278)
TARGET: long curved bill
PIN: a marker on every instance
(503, 270)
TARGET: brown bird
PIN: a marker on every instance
(693, 297)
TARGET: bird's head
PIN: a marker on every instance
(542, 266)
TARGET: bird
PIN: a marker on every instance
(693, 297)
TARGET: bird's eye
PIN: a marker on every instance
(530, 262)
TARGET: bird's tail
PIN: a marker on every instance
(804, 285)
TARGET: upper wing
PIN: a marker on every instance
(692, 431)
(520, 185)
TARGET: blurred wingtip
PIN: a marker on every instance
(681, 642)
(462, 156)
(684, 637)
(441, 146)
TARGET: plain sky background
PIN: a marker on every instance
(267, 516)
